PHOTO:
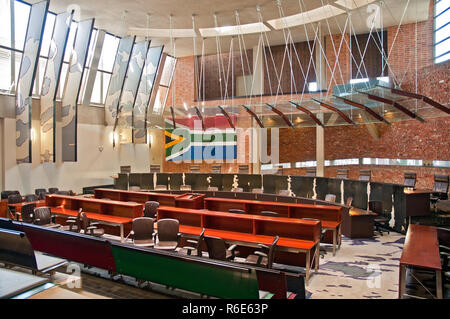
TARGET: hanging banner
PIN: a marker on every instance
(72, 90)
(144, 93)
(117, 79)
(50, 85)
(25, 81)
(124, 120)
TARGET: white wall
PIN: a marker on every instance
(93, 167)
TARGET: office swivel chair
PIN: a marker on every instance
(28, 213)
(410, 180)
(237, 189)
(284, 192)
(196, 249)
(342, 173)
(40, 192)
(269, 213)
(13, 199)
(143, 233)
(194, 169)
(74, 223)
(30, 198)
(365, 175)
(216, 169)
(444, 251)
(330, 198)
(257, 190)
(311, 172)
(168, 234)
(43, 217)
(185, 188)
(135, 188)
(161, 188)
(53, 190)
(263, 258)
(217, 249)
(440, 188)
(90, 228)
(380, 221)
(213, 188)
(150, 209)
(155, 168)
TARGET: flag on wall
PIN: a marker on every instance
(186, 143)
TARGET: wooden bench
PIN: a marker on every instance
(330, 216)
(421, 250)
(296, 236)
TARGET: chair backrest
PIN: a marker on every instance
(155, 168)
(269, 213)
(217, 169)
(376, 206)
(349, 201)
(236, 211)
(185, 187)
(84, 221)
(342, 173)
(440, 183)
(53, 190)
(195, 169)
(150, 209)
(44, 215)
(237, 189)
(330, 198)
(143, 228)
(5, 194)
(37, 191)
(135, 188)
(14, 199)
(271, 254)
(28, 213)
(125, 169)
(410, 179)
(365, 175)
(243, 169)
(217, 249)
(168, 229)
(30, 198)
(213, 188)
(284, 192)
(257, 190)
(311, 171)
(161, 187)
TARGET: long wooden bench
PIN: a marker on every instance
(421, 250)
(296, 235)
(108, 212)
(330, 216)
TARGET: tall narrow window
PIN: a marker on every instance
(441, 31)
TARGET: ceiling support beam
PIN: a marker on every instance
(363, 107)
(280, 114)
(305, 110)
(257, 119)
(418, 97)
(394, 104)
(227, 116)
(334, 109)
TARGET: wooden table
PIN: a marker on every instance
(421, 250)
(358, 223)
(417, 202)
(330, 216)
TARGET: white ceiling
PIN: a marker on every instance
(108, 16)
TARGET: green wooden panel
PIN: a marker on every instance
(186, 273)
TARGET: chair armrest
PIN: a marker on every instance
(189, 248)
(260, 253)
(232, 247)
(444, 247)
(71, 221)
(192, 241)
(71, 218)
(94, 224)
(264, 246)
(91, 227)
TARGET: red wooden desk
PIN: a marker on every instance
(108, 212)
(421, 249)
(296, 236)
(190, 200)
(139, 197)
(330, 216)
(4, 208)
(18, 206)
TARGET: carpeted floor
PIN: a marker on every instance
(361, 269)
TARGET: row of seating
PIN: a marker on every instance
(215, 169)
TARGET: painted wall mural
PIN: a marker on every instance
(117, 79)
(124, 119)
(50, 85)
(144, 93)
(31, 49)
(72, 90)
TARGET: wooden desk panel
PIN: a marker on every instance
(139, 197)
(190, 200)
(4, 208)
(18, 206)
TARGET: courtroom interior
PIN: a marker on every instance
(193, 149)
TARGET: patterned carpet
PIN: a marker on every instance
(361, 269)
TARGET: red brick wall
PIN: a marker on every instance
(405, 140)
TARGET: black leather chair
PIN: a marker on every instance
(196, 248)
(53, 190)
(440, 188)
(311, 171)
(43, 217)
(74, 223)
(365, 175)
(217, 249)
(27, 213)
(342, 173)
(150, 209)
(13, 199)
(380, 221)
(263, 258)
(30, 198)
(37, 191)
(143, 232)
(90, 228)
(410, 180)
(168, 234)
